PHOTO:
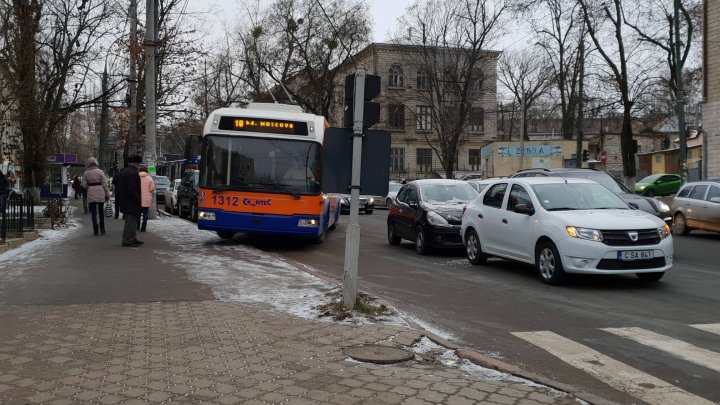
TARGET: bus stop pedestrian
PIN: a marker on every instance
(97, 194)
(147, 186)
(128, 186)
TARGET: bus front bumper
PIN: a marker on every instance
(268, 224)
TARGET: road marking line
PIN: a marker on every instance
(710, 327)
(683, 350)
(610, 371)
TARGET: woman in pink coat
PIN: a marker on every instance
(147, 186)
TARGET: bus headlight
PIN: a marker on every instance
(308, 223)
(206, 216)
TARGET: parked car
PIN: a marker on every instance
(387, 200)
(647, 204)
(428, 212)
(659, 184)
(171, 197)
(479, 185)
(162, 183)
(472, 176)
(187, 195)
(565, 225)
(697, 206)
(367, 204)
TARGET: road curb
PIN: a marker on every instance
(471, 355)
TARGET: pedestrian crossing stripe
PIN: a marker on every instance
(616, 374)
(683, 350)
(710, 327)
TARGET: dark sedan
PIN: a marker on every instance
(429, 213)
(367, 204)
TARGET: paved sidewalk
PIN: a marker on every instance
(203, 350)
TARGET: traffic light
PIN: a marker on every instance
(585, 155)
(371, 110)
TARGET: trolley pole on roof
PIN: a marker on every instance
(352, 238)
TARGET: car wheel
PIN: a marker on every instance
(650, 277)
(388, 203)
(650, 193)
(226, 234)
(393, 237)
(549, 265)
(420, 242)
(193, 213)
(368, 211)
(681, 227)
(168, 209)
(475, 254)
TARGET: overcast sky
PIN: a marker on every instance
(384, 13)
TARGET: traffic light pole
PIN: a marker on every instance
(352, 238)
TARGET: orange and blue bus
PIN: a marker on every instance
(260, 173)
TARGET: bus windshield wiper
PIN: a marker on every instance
(282, 187)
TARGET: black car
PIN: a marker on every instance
(647, 204)
(429, 212)
(187, 195)
(367, 204)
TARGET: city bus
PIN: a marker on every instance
(260, 173)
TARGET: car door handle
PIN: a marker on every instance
(504, 221)
(480, 216)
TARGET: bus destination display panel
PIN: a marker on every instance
(263, 125)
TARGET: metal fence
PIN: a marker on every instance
(17, 215)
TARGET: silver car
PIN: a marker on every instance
(171, 197)
(697, 206)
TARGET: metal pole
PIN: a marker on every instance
(352, 238)
(581, 89)
(132, 80)
(680, 96)
(522, 129)
(150, 97)
(103, 159)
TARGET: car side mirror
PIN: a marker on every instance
(715, 199)
(634, 206)
(525, 209)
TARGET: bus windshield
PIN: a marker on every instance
(261, 165)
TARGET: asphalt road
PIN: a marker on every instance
(483, 306)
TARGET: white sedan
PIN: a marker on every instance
(565, 226)
(171, 197)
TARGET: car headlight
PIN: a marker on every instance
(434, 218)
(664, 232)
(584, 233)
(663, 207)
(206, 216)
(345, 201)
(371, 200)
(641, 188)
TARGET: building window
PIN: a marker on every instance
(396, 116)
(474, 159)
(396, 77)
(424, 118)
(658, 159)
(476, 119)
(424, 159)
(397, 160)
(423, 80)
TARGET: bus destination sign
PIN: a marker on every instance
(263, 125)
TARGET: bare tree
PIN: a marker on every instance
(527, 74)
(298, 44)
(455, 70)
(48, 47)
(629, 71)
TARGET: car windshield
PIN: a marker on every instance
(599, 177)
(650, 179)
(447, 193)
(162, 181)
(577, 196)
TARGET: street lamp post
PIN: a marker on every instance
(680, 96)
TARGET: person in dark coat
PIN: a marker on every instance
(128, 187)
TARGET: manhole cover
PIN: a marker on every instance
(378, 354)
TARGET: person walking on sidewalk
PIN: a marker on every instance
(97, 194)
(116, 193)
(128, 186)
(147, 186)
(77, 186)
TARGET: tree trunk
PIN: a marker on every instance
(626, 144)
